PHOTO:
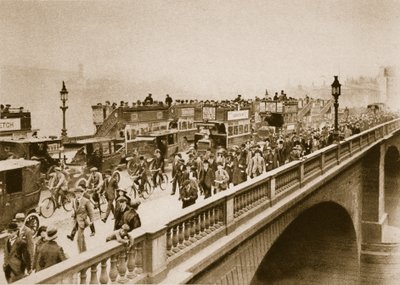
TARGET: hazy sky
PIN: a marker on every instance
(205, 46)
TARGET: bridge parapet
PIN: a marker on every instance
(156, 251)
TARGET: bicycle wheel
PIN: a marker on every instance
(67, 203)
(163, 181)
(131, 167)
(147, 191)
(47, 207)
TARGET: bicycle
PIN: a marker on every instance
(48, 205)
(89, 194)
(135, 192)
(161, 179)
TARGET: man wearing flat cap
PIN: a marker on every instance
(83, 215)
(95, 184)
(17, 258)
(50, 252)
(58, 184)
(110, 187)
(121, 208)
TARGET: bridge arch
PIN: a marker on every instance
(320, 244)
(391, 184)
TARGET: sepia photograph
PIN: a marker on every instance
(200, 142)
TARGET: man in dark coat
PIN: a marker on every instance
(25, 233)
(176, 171)
(131, 217)
(189, 193)
(50, 252)
(119, 212)
(206, 179)
(17, 258)
(110, 187)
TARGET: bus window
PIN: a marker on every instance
(190, 125)
(14, 181)
(240, 129)
(246, 128)
(170, 139)
(235, 130)
(230, 131)
(184, 125)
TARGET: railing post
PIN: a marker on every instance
(301, 173)
(229, 212)
(322, 158)
(156, 256)
(338, 147)
(113, 268)
(350, 148)
(272, 187)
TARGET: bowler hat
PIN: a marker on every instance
(57, 168)
(93, 169)
(20, 217)
(108, 172)
(51, 233)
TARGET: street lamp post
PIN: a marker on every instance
(336, 93)
(64, 99)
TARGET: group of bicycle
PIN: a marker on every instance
(146, 175)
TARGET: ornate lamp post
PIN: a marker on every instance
(64, 99)
(336, 93)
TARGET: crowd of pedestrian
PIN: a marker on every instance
(215, 171)
(25, 253)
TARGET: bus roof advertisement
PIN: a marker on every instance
(187, 112)
(238, 115)
(10, 124)
(208, 113)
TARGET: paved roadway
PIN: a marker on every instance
(158, 209)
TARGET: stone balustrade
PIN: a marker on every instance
(155, 251)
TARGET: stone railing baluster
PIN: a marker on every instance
(103, 272)
(193, 228)
(93, 274)
(187, 233)
(181, 236)
(203, 224)
(175, 239)
(83, 276)
(198, 227)
(138, 258)
(122, 267)
(207, 221)
(131, 262)
(212, 219)
(113, 268)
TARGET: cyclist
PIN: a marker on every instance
(141, 173)
(59, 184)
(95, 184)
(157, 166)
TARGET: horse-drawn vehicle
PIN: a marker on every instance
(19, 191)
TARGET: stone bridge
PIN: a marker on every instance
(308, 221)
